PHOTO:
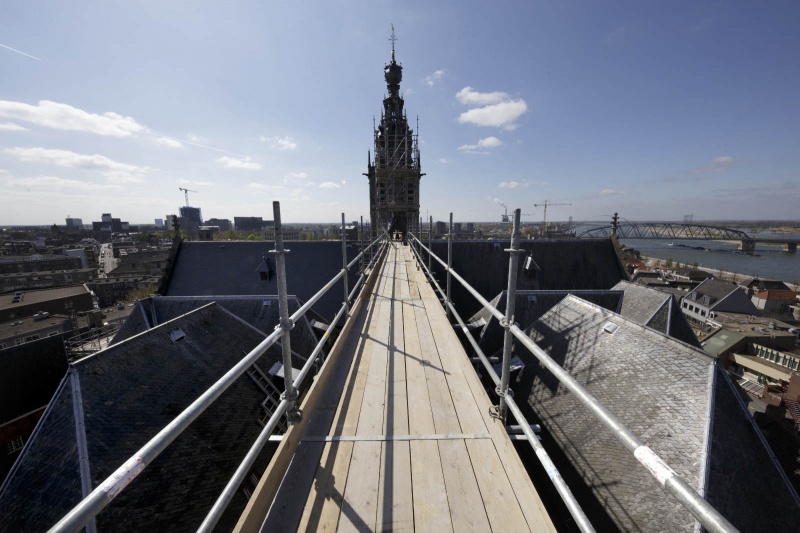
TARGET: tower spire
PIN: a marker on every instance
(393, 39)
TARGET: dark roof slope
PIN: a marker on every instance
(261, 312)
(130, 391)
(29, 375)
(663, 390)
(222, 268)
(528, 307)
(655, 309)
(578, 264)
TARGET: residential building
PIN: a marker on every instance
(29, 329)
(65, 300)
(38, 263)
(222, 223)
(776, 302)
(249, 224)
(109, 291)
(711, 297)
(19, 281)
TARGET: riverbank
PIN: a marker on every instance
(722, 275)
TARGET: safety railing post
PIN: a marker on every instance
(430, 236)
(449, 263)
(361, 245)
(511, 296)
(290, 393)
(344, 266)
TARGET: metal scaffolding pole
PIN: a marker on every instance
(344, 264)
(290, 394)
(430, 237)
(508, 321)
(449, 263)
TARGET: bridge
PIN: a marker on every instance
(674, 230)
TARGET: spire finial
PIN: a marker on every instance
(393, 39)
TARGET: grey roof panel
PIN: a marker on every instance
(130, 391)
(223, 268)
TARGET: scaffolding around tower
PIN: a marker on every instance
(394, 173)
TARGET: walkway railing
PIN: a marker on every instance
(84, 513)
(709, 517)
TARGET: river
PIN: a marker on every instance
(767, 262)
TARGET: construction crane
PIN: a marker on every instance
(186, 193)
(544, 222)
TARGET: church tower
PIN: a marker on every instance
(394, 174)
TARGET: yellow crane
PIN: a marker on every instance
(545, 204)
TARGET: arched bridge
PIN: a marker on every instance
(666, 230)
(670, 230)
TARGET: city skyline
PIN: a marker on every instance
(652, 111)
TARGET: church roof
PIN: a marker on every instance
(129, 392)
(680, 403)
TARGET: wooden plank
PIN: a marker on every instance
(420, 417)
(360, 506)
(501, 506)
(396, 507)
(466, 503)
(326, 495)
(431, 509)
(256, 509)
(325, 500)
(396, 503)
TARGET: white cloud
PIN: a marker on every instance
(500, 115)
(184, 181)
(443, 160)
(722, 163)
(246, 164)
(297, 175)
(329, 185)
(520, 184)
(119, 172)
(166, 141)
(264, 186)
(10, 126)
(473, 98)
(55, 183)
(611, 192)
(279, 143)
(65, 117)
(195, 138)
(436, 76)
(480, 148)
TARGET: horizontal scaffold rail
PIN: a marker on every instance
(666, 230)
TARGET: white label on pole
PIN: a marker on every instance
(124, 475)
(654, 464)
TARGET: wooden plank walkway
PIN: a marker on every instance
(400, 438)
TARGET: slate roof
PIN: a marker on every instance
(29, 375)
(655, 309)
(130, 391)
(43, 295)
(715, 289)
(261, 312)
(676, 399)
(223, 268)
(576, 264)
(528, 307)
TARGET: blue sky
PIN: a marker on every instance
(652, 109)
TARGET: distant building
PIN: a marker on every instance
(206, 233)
(222, 223)
(37, 263)
(73, 225)
(191, 216)
(109, 225)
(22, 304)
(248, 223)
(19, 281)
(159, 222)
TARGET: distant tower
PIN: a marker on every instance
(394, 174)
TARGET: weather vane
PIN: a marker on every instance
(393, 39)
